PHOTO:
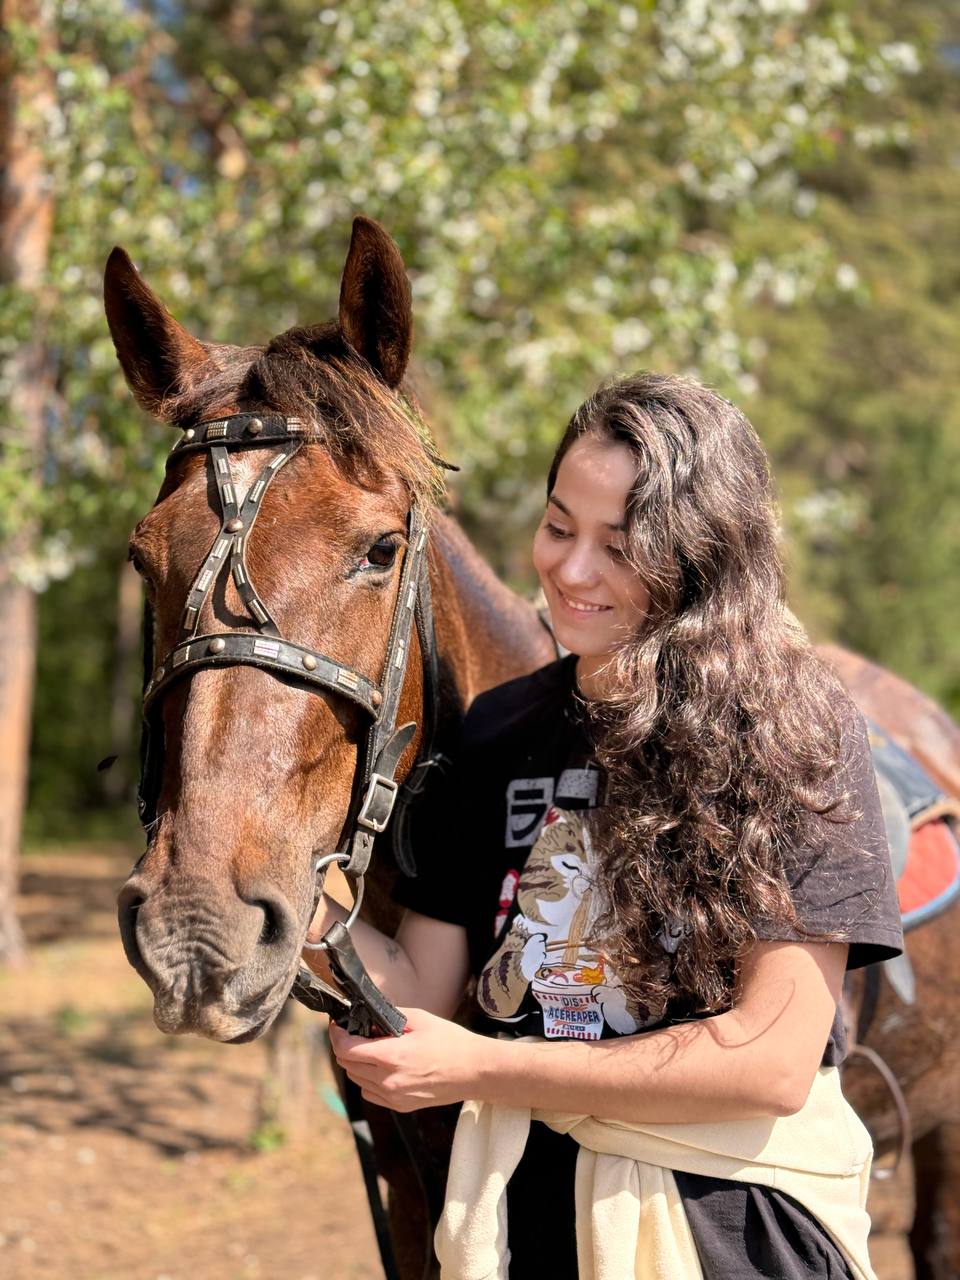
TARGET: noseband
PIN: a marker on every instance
(360, 1007)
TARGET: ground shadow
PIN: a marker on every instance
(117, 1074)
(64, 897)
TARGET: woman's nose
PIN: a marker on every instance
(580, 566)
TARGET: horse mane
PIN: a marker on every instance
(369, 429)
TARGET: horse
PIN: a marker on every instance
(258, 769)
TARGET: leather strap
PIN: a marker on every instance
(370, 1012)
(233, 648)
(430, 757)
(385, 746)
(241, 430)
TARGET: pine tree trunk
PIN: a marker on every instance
(26, 214)
(17, 644)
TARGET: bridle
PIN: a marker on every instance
(360, 1006)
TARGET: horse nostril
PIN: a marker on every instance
(128, 904)
(279, 921)
(272, 930)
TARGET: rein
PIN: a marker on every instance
(360, 1007)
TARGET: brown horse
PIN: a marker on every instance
(257, 771)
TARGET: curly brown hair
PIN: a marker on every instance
(722, 738)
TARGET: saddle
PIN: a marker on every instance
(921, 823)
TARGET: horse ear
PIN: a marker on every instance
(376, 315)
(158, 356)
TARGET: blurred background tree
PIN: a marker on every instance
(758, 192)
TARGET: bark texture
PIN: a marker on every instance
(27, 96)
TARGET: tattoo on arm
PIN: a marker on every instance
(392, 950)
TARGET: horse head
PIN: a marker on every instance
(256, 774)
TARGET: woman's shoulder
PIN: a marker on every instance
(854, 738)
(855, 778)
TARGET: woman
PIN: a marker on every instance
(657, 857)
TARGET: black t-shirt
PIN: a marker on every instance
(503, 848)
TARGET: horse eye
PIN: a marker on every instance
(137, 563)
(381, 555)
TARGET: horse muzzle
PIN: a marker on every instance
(219, 963)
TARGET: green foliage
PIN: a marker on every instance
(860, 400)
(578, 189)
(72, 729)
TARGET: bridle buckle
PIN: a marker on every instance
(378, 803)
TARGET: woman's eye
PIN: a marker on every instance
(381, 555)
(617, 553)
(555, 531)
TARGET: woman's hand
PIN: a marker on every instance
(433, 1063)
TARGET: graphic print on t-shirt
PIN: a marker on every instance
(530, 799)
(547, 950)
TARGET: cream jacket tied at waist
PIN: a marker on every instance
(630, 1218)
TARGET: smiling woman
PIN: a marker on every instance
(596, 598)
(657, 857)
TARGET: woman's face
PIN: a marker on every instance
(596, 599)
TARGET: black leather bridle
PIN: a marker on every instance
(360, 1006)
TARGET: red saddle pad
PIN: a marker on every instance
(931, 878)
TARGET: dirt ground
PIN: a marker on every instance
(126, 1153)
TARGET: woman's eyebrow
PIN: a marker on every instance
(617, 528)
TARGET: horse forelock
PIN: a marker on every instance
(369, 429)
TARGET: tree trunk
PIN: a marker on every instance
(17, 644)
(27, 96)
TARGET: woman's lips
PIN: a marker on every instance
(580, 609)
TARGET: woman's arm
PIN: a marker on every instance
(426, 965)
(759, 1059)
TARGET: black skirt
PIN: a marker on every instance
(742, 1231)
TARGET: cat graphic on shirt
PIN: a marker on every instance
(548, 950)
